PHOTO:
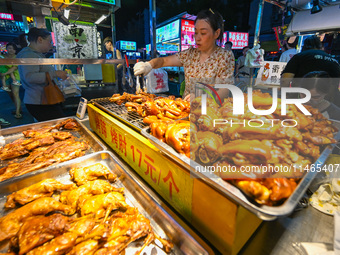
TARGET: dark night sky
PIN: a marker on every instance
(128, 12)
(130, 23)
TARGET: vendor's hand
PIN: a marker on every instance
(187, 98)
(142, 68)
(61, 74)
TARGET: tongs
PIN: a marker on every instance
(139, 82)
(129, 71)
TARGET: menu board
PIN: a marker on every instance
(127, 45)
(239, 39)
(187, 32)
(167, 32)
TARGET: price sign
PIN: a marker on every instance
(169, 180)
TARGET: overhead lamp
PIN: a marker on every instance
(103, 17)
(316, 7)
(67, 13)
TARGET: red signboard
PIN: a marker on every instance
(239, 39)
(187, 33)
(7, 16)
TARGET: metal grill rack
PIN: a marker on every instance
(120, 112)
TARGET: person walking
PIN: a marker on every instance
(33, 77)
(12, 75)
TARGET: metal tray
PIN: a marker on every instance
(264, 212)
(132, 119)
(9, 135)
(163, 224)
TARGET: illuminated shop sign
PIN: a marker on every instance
(127, 45)
(7, 16)
(168, 32)
(188, 32)
(238, 39)
(107, 1)
(148, 48)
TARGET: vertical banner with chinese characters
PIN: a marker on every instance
(75, 41)
(167, 178)
(270, 73)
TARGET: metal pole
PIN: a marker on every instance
(152, 13)
(113, 32)
(113, 35)
(258, 23)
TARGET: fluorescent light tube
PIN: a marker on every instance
(100, 19)
(66, 13)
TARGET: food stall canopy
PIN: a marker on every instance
(304, 22)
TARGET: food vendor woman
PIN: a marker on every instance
(206, 62)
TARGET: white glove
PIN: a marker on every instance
(142, 68)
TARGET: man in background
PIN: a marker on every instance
(228, 45)
(109, 47)
(291, 44)
(241, 70)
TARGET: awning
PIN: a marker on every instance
(304, 22)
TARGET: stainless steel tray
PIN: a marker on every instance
(163, 224)
(9, 135)
(264, 212)
(120, 112)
